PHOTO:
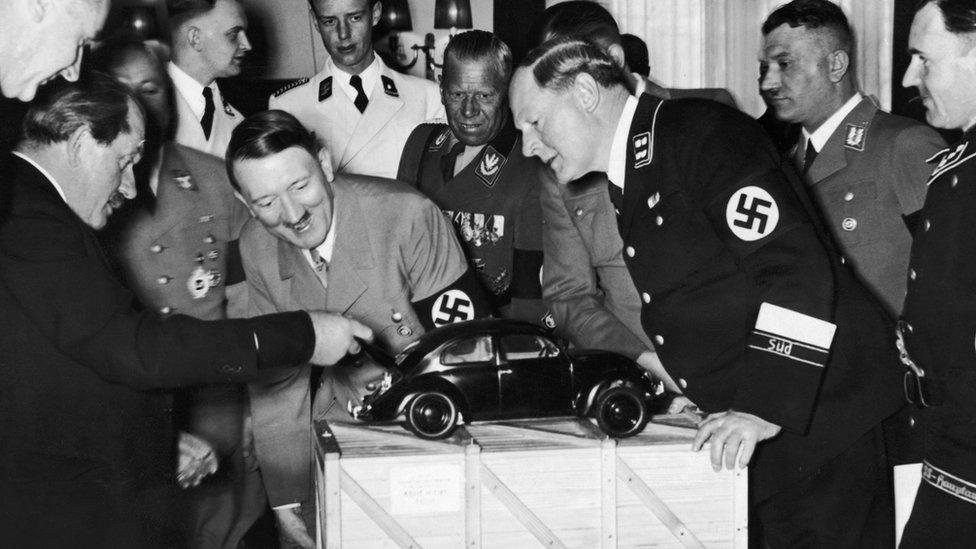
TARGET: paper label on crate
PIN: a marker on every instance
(425, 490)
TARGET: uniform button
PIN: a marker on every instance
(912, 274)
(927, 225)
(849, 224)
(909, 327)
(156, 249)
(955, 181)
(843, 260)
(396, 317)
(646, 297)
(163, 280)
(630, 251)
(659, 220)
(682, 383)
(165, 310)
(209, 239)
(848, 197)
(579, 212)
(658, 340)
(405, 331)
(911, 421)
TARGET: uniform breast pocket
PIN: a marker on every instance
(859, 214)
(597, 224)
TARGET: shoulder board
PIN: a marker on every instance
(291, 85)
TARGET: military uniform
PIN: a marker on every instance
(869, 181)
(494, 205)
(367, 143)
(189, 131)
(741, 301)
(940, 312)
(396, 267)
(173, 255)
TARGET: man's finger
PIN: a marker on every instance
(717, 447)
(361, 330)
(703, 434)
(748, 447)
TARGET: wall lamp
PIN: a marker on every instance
(448, 14)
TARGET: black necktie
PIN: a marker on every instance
(449, 159)
(361, 101)
(810, 155)
(616, 196)
(208, 112)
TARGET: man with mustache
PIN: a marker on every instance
(209, 41)
(372, 249)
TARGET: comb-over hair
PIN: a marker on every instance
(264, 134)
(959, 15)
(557, 63)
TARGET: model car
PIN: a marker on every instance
(503, 369)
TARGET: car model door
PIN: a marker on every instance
(534, 377)
(469, 364)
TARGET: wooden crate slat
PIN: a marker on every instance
(522, 513)
(379, 515)
(656, 506)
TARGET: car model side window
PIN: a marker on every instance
(525, 347)
(474, 349)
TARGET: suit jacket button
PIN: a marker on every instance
(156, 249)
(630, 251)
(646, 297)
(165, 310)
(927, 225)
(682, 383)
(658, 340)
(912, 274)
(849, 224)
(405, 331)
(579, 212)
(396, 317)
(848, 197)
(955, 181)
(659, 221)
(163, 280)
(911, 421)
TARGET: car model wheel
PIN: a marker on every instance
(432, 415)
(621, 411)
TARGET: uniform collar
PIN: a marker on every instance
(820, 136)
(191, 90)
(44, 172)
(617, 166)
(370, 76)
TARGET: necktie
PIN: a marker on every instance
(208, 112)
(810, 156)
(449, 159)
(361, 101)
(616, 196)
(321, 267)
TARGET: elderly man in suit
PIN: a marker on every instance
(369, 248)
(172, 243)
(209, 41)
(80, 428)
(363, 110)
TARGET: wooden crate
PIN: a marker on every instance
(549, 483)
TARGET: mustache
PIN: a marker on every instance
(304, 219)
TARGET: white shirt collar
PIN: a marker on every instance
(641, 86)
(326, 248)
(370, 76)
(617, 167)
(191, 90)
(44, 172)
(823, 133)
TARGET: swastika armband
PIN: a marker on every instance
(462, 300)
(792, 335)
(751, 213)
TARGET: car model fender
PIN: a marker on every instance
(432, 383)
(586, 400)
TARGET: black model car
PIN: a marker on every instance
(503, 369)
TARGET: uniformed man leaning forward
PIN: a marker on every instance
(940, 310)
(739, 297)
(362, 110)
(473, 168)
(369, 248)
(865, 168)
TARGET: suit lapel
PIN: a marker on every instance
(382, 108)
(640, 156)
(306, 290)
(834, 155)
(352, 254)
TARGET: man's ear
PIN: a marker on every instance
(839, 63)
(586, 92)
(79, 145)
(194, 37)
(325, 160)
(377, 11)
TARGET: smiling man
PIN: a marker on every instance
(739, 296)
(372, 249)
(473, 168)
(41, 40)
(940, 310)
(362, 110)
(209, 41)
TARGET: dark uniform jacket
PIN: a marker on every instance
(494, 206)
(941, 310)
(740, 296)
(78, 430)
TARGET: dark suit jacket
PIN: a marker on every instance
(713, 232)
(78, 430)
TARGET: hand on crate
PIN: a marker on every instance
(732, 434)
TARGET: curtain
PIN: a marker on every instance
(715, 43)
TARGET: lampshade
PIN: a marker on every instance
(396, 16)
(452, 14)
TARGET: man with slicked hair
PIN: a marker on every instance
(754, 319)
(939, 327)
